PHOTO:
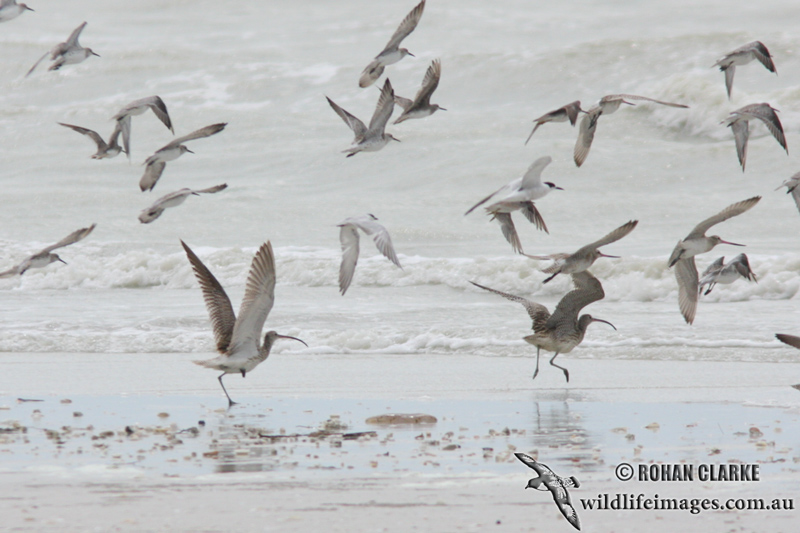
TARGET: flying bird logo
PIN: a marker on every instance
(557, 485)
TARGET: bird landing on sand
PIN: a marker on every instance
(238, 338)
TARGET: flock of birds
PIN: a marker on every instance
(238, 338)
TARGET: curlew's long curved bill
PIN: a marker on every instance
(604, 322)
(296, 339)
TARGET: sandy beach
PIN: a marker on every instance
(297, 453)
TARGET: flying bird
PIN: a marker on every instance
(138, 107)
(585, 256)
(557, 485)
(373, 138)
(742, 56)
(682, 257)
(45, 256)
(158, 161)
(10, 9)
(66, 53)
(348, 236)
(421, 106)
(739, 123)
(607, 105)
(719, 272)
(392, 53)
(519, 195)
(105, 150)
(563, 330)
(562, 114)
(174, 199)
(238, 338)
(791, 188)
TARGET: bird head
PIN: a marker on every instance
(585, 320)
(25, 6)
(271, 336)
(392, 137)
(90, 51)
(716, 239)
(405, 52)
(553, 185)
(535, 483)
(184, 149)
(437, 107)
(54, 258)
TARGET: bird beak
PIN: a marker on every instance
(731, 243)
(442, 109)
(189, 151)
(294, 338)
(601, 254)
(29, 9)
(604, 322)
(412, 55)
(62, 261)
(94, 54)
(559, 188)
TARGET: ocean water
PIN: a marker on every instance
(265, 69)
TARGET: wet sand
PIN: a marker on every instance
(115, 445)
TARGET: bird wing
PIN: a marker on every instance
(355, 124)
(742, 266)
(73, 37)
(768, 116)
(509, 231)
(383, 110)
(686, 274)
(614, 236)
(380, 236)
(206, 131)
(791, 340)
(587, 289)
(644, 98)
(93, 135)
(533, 216)
(572, 109)
(538, 313)
(558, 261)
(429, 82)
(211, 190)
(533, 176)
(586, 134)
(159, 109)
(741, 132)
(763, 56)
(406, 27)
(36, 64)
(404, 103)
(714, 267)
(796, 196)
(731, 211)
(217, 302)
(72, 238)
(348, 236)
(259, 295)
(124, 124)
(151, 175)
(471, 209)
(564, 503)
(730, 71)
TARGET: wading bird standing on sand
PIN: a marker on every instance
(585, 256)
(563, 330)
(237, 338)
(696, 242)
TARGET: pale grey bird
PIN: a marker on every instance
(742, 56)
(174, 199)
(66, 53)
(391, 53)
(519, 195)
(585, 256)
(791, 188)
(45, 256)
(682, 257)
(137, 107)
(719, 272)
(606, 106)
(562, 114)
(557, 485)
(348, 236)
(373, 138)
(105, 150)
(158, 161)
(10, 9)
(792, 341)
(238, 338)
(563, 330)
(739, 122)
(420, 106)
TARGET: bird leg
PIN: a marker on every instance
(536, 372)
(566, 372)
(230, 402)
